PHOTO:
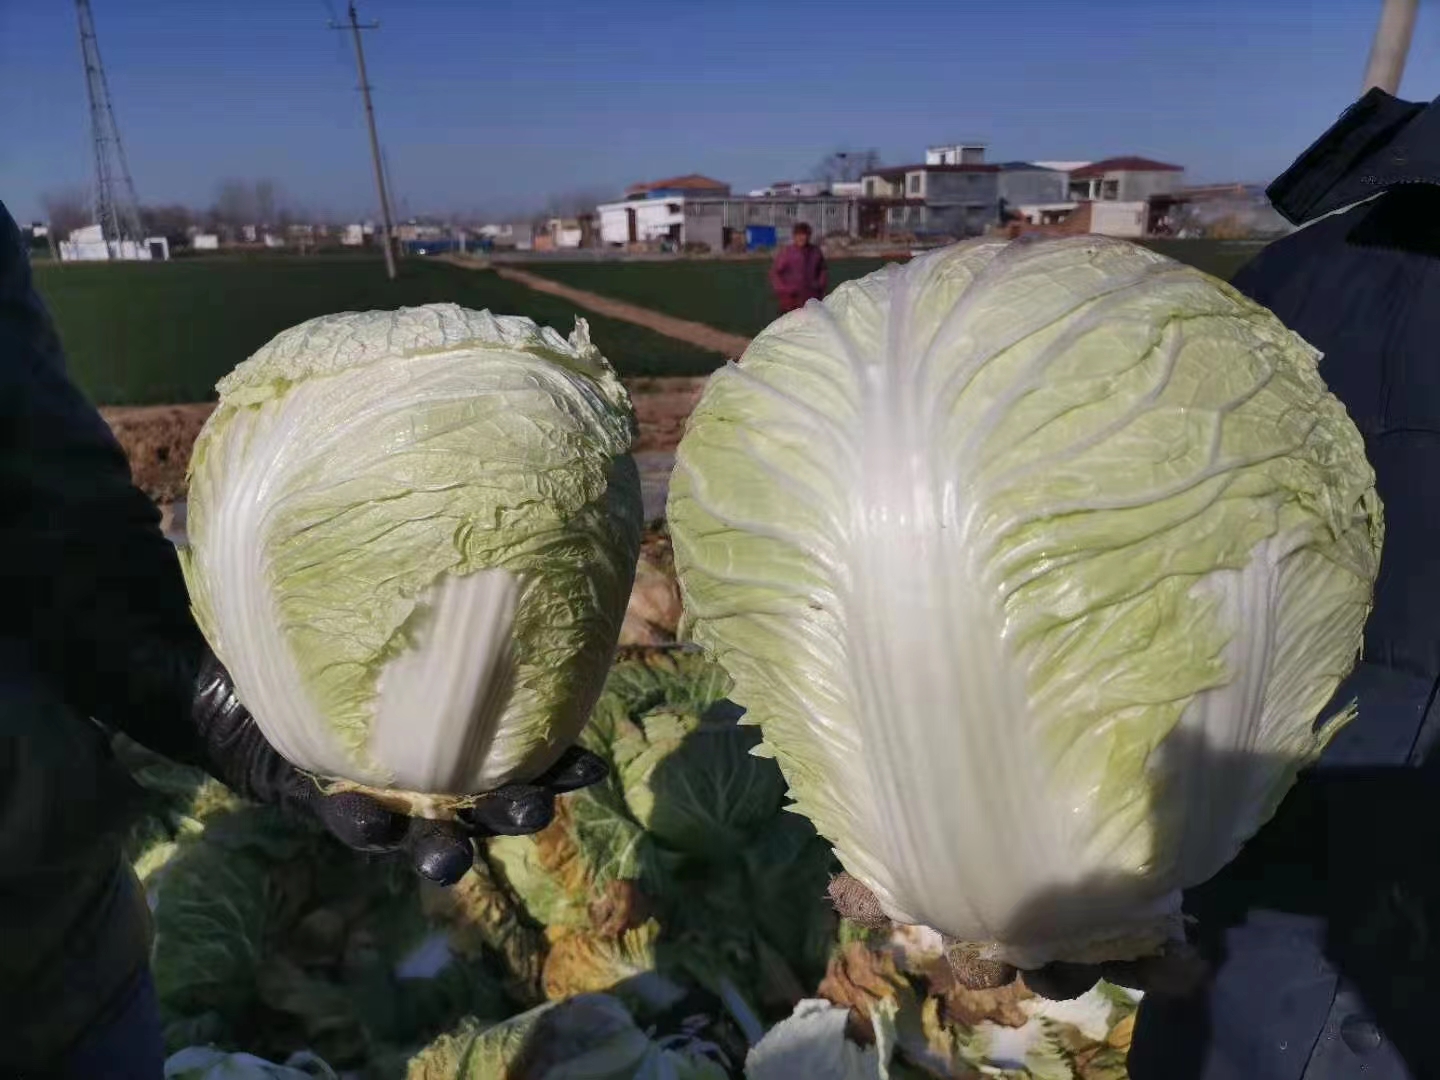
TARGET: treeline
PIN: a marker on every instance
(262, 204)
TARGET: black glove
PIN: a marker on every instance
(1178, 971)
(236, 753)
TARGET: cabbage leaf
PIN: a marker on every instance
(1035, 563)
(412, 536)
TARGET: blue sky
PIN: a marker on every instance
(489, 105)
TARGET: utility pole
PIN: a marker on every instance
(1391, 45)
(355, 26)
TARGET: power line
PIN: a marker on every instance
(355, 26)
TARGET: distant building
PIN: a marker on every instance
(956, 154)
(721, 223)
(697, 210)
(691, 184)
(353, 235)
(636, 221)
(205, 242)
(1029, 184)
(88, 244)
(1129, 219)
(507, 236)
(410, 231)
(937, 200)
(1122, 196)
(785, 189)
(564, 233)
(1124, 179)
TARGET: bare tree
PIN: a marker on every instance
(571, 203)
(267, 202)
(846, 166)
(172, 222)
(234, 204)
(65, 211)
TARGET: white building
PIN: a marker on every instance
(787, 188)
(520, 236)
(565, 232)
(721, 221)
(354, 235)
(205, 242)
(642, 220)
(955, 154)
(1127, 219)
(89, 245)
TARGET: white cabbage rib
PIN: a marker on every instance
(1035, 563)
(413, 535)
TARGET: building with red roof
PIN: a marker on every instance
(690, 184)
(1125, 179)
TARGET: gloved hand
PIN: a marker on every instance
(1178, 971)
(236, 753)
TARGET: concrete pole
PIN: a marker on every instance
(1391, 45)
(355, 26)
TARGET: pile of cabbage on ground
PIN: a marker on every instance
(668, 923)
(1028, 572)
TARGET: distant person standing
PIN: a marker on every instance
(799, 273)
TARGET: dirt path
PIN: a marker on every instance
(706, 337)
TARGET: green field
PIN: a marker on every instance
(731, 296)
(1219, 257)
(735, 296)
(151, 333)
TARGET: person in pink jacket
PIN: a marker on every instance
(799, 273)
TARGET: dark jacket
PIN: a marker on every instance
(1326, 930)
(95, 636)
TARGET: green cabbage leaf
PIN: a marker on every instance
(1035, 563)
(412, 536)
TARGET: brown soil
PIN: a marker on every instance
(661, 407)
(158, 438)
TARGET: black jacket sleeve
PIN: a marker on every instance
(91, 586)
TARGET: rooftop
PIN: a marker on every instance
(1236, 188)
(690, 182)
(1124, 164)
(898, 171)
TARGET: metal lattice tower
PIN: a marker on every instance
(117, 209)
